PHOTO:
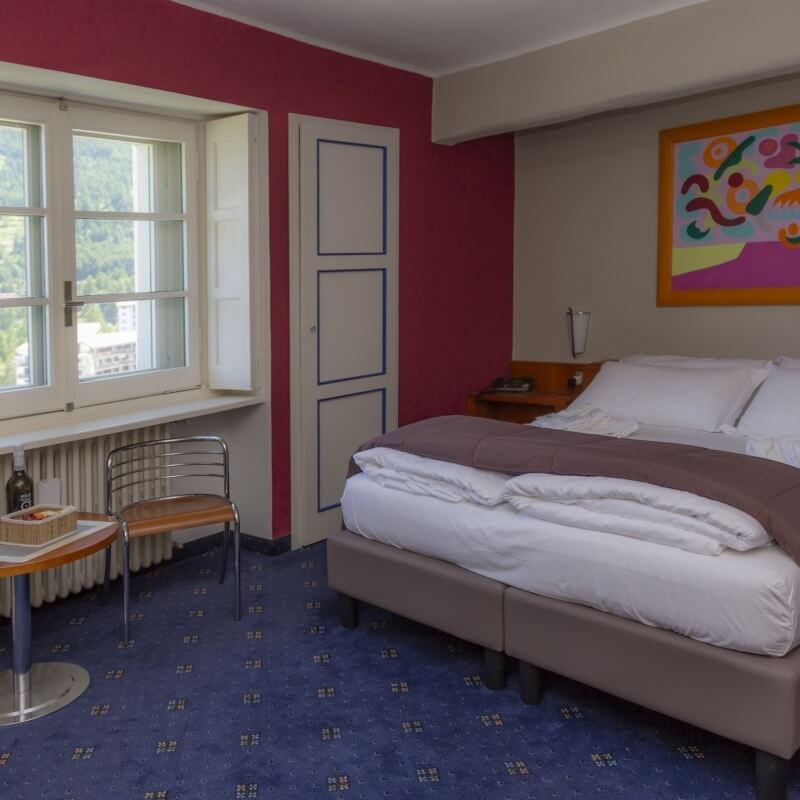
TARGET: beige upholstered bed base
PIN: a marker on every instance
(751, 699)
(748, 698)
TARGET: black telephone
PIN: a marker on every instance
(505, 384)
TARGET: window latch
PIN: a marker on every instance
(69, 304)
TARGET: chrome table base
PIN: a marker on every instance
(46, 688)
(29, 691)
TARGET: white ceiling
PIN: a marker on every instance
(436, 37)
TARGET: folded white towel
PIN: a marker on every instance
(586, 419)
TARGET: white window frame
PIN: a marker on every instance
(231, 145)
(40, 416)
(143, 384)
(64, 390)
(40, 399)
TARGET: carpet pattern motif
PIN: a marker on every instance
(287, 704)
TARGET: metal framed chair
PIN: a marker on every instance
(159, 464)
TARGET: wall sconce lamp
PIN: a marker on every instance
(579, 330)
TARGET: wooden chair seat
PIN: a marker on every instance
(177, 513)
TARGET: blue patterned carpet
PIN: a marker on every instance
(286, 704)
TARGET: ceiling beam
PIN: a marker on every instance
(708, 46)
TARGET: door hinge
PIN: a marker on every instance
(69, 407)
(69, 305)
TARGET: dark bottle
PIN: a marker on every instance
(19, 489)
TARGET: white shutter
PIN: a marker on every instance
(229, 177)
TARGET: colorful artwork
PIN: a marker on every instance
(729, 228)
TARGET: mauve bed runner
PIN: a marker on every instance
(767, 490)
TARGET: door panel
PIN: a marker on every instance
(344, 422)
(351, 214)
(344, 295)
(351, 345)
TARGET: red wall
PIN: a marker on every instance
(456, 203)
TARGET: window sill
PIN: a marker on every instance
(59, 427)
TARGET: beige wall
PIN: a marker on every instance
(585, 235)
(712, 45)
(247, 432)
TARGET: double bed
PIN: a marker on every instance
(708, 639)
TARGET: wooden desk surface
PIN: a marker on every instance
(72, 551)
(558, 400)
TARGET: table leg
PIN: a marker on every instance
(21, 640)
(29, 691)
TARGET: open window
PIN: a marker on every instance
(136, 277)
(116, 280)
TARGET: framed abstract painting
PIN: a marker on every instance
(729, 211)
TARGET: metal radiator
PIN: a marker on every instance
(81, 468)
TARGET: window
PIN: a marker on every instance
(100, 237)
(130, 263)
(25, 304)
(134, 234)
(23, 314)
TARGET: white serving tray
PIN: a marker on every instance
(20, 553)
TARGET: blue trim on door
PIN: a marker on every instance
(383, 327)
(320, 507)
(381, 252)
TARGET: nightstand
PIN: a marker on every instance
(552, 392)
(517, 406)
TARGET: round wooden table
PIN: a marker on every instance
(29, 691)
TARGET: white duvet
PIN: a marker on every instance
(603, 505)
(639, 510)
(429, 477)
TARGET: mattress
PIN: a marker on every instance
(741, 601)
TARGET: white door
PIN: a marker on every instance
(343, 226)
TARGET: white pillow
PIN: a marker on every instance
(672, 397)
(775, 410)
(784, 362)
(690, 362)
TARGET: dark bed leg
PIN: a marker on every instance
(494, 668)
(772, 776)
(348, 611)
(530, 683)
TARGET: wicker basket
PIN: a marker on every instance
(33, 532)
